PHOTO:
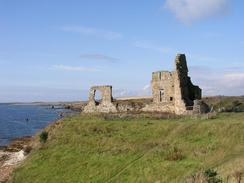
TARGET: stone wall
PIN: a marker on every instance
(172, 92)
(163, 87)
(105, 105)
(200, 107)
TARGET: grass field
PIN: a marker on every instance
(97, 149)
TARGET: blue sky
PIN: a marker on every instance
(55, 50)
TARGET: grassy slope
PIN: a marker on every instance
(91, 149)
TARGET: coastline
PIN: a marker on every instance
(18, 149)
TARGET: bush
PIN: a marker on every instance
(174, 154)
(43, 136)
(211, 176)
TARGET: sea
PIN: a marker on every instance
(18, 120)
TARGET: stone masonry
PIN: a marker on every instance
(103, 106)
(172, 92)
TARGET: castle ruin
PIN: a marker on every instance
(172, 92)
(103, 106)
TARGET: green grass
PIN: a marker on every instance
(93, 149)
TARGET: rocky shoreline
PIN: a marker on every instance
(18, 149)
(12, 155)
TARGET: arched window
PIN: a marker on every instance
(98, 97)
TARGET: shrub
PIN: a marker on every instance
(174, 154)
(43, 136)
(211, 176)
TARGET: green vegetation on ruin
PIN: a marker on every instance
(85, 148)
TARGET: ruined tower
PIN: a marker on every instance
(173, 91)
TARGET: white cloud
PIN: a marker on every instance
(145, 91)
(74, 68)
(218, 81)
(235, 76)
(123, 93)
(234, 79)
(151, 46)
(98, 57)
(188, 11)
(147, 87)
(109, 35)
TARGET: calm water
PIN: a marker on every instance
(14, 123)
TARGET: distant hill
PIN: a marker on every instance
(226, 103)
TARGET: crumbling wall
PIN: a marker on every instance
(105, 105)
(181, 85)
(163, 92)
(189, 91)
(200, 107)
(162, 87)
(131, 105)
(173, 91)
(185, 91)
